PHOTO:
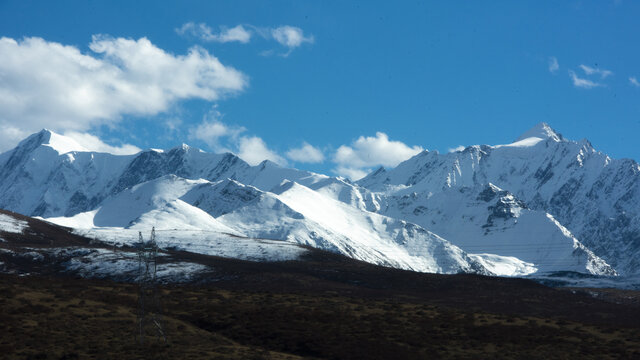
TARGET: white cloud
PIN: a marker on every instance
(367, 152)
(455, 149)
(48, 84)
(221, 137)
(10, 136)
(633, 81)
(254, 150)
(351, 173)
(553, 64)
(204, 32)
(93, 143)
(306, 154)
(290, 36)
(582, 83)
(212, 132)
(591, 71)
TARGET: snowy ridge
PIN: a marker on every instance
(292, 213)
(540, 204)
(487, 219)
(587, 192)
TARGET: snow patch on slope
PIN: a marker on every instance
(505, 265)
(203, 242)
(12, 225)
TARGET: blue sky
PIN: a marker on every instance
(362, 83)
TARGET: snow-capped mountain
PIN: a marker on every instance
(595, 197)
(469, 211)
(292, 213)
(486, 219)
(46, 175)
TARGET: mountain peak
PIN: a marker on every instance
(542, 131)
(45, 137)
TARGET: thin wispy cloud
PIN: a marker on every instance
(290, 37)
(553, 64)
(633, 81)
(205, 33)
(593, 71)
(581, 82)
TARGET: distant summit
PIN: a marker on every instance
(542, 131)
(61, 144)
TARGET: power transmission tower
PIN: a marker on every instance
(149, 314)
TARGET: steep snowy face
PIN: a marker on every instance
(405, 245)
(38, 178)
(155, 203)
(344, 191)
(267, 175)
(488, 220)
(182, 161)
(594, 196)
(541, 131)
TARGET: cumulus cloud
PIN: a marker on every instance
(582, 83)
(93, 143)
(48, 84)
(219, 136)
(367, 152)
(254, 150)
(222, 137)
(633, 81)
(593, 71)
(204, 32)
(553, 64)
(306, 154)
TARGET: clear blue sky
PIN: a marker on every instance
(433, 75)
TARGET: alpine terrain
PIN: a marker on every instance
(539, 205)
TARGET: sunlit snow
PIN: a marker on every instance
(11, 224)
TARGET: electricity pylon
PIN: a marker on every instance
(149, 314)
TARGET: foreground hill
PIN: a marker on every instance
(59, 300)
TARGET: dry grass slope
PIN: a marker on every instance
(64, 318)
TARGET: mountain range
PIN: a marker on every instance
(540, 204)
